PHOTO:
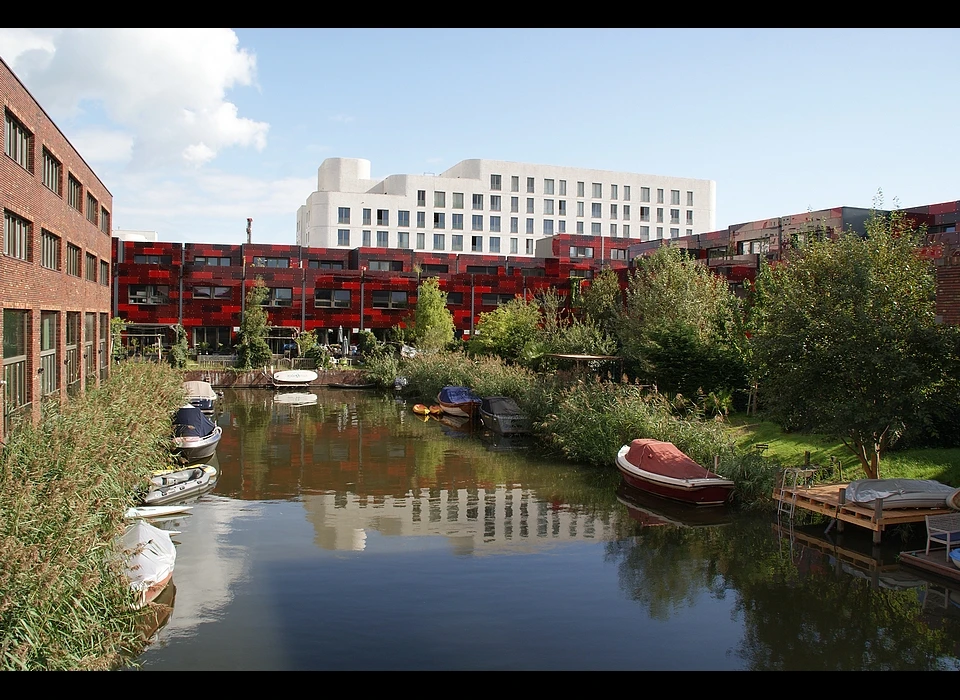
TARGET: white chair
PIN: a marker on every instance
(945, 530)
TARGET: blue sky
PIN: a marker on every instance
(193, 131)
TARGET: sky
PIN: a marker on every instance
(195, 130)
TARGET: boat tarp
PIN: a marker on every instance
(501, 406)
(868, 490)
(457, 394)
(199, 390)
(664, 458)
(190, 422)
(150, 554)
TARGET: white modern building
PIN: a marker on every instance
(496, 207)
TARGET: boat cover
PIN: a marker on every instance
(200, 390)
(666, 459)
(150, 555)
(501, 406)
(191, 422)
(869, 490)
(457, 394)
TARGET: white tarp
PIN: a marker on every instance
(869, 490)
(150, 555)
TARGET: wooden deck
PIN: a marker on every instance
(934, 563)
(828, 500)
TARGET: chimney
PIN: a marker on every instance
(249, 229)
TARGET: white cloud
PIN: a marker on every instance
(103, 145)
(342, 118)
(166, 87)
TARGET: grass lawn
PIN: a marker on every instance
(940, 464)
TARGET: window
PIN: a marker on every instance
(674, 216)
(105, 221)
(494, 202)
(675, 197)
(659, 215)
(421, 240)
(529, 205)
(596, 210)
(689, 232)
(613, 230)
(514, 246)
(73, 260)
(19, 143)
(659, 233)
(222, 293)
(496, 299)
(279, 296)
(386, 265)
(659, 196)
(580, 189)
(495, 182)
(644, 233)
(421, 198)
(15, 335)
(259, 261)
(476, 244)
(689, 218)
(49, 250)
(454, 298)
(529, 246)
(674, 233)
(456, 222)
(515, 183)
(403, 218)
(580, 228)
(211, 261)
(613, 211)
(548, 207)
(93, 208)
(597, 190)
(478, 202)
(595, 228)
(689, 199)
(613, 191)
(458, 200)
(514, 224)
(152, 259)
(548, 227)
(494, 244)
(495, 224)
(548, 186)
(389, 300)
(438, 220)
(563, 188)
(561, 226)
(626, 193)
(644, 194)
(514, 204)
(530, 182)
(52, 173)
(618, 254)
(148, 294)
(456, 242)
(403, 239)
(212, 337)
(581, 251)
(49, 331)
(439, 241)
(435, 269)
(383, 239)
(477, 222)
(421, 219)
(343, 236)
(529, 226)
(365, 238)
(383, 217)
(104, 273)
(644, 213)
(325, 264)
(626, 231)
(579, 208)
(367, 214)
(72, 360)
(563, 207)
(343, 215)
(16, 237)
(439, 199)
(91, 268)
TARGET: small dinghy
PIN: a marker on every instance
(662, 469)
(174, 486)
(294, 377)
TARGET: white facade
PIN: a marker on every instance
(496, 207)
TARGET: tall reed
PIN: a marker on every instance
(64, 486)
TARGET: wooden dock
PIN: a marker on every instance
(935, 562)
(829, 500)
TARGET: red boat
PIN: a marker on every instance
(662, 469)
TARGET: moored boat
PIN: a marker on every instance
(294, 377)
(458, 401)
(662, 469)
(173, 486)
(902, 493)
(502, 415)
(149, 556)
(200, 394)
(195, 436)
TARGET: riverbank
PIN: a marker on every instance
(260, 379)
(64, 486)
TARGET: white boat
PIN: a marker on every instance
(200, 394)
(900, 493)
(149, 557)
(294, 377)
(154, 511)
(194, 435)
(173, 486)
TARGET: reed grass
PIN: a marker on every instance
(65, 483)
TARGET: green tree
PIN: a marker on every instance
(602, 300)
(252, 349)
(179, 349)
(117, 326)
(508, 329)
(846, 341)
(433, 322)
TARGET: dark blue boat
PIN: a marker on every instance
(458, 401)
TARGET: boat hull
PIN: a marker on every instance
(294, 377)
(505, 424)
(460, 409)
(698, 492)
(198, 449)
(179, 485)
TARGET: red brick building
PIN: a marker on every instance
(55, 269)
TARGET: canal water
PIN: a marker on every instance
(347, 533)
